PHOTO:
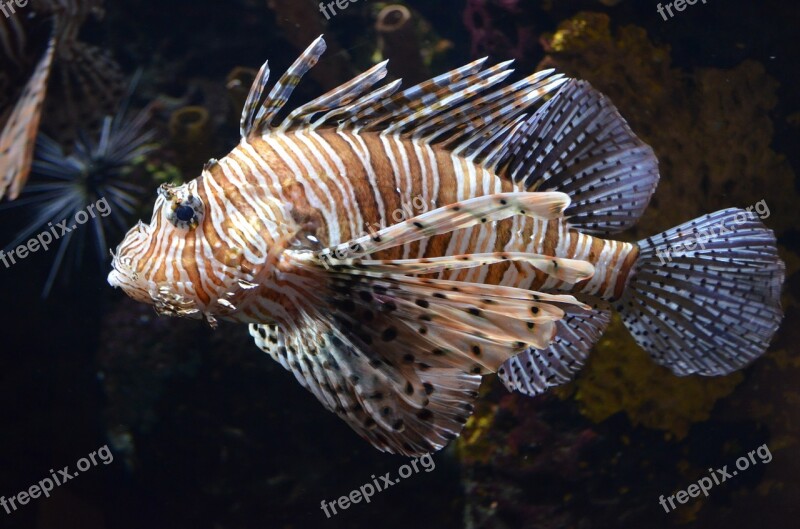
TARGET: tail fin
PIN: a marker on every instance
(704, 297)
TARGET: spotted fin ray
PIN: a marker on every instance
(478, 210)
(576, 143)
(713, 309)
(399, 356)
(579, 144)
(533, 372)
(453, 109)
(567, 270)
(362, 390)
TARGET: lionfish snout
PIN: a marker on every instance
(126, 267)
(134, 271)
(125, 276)
(165, 298)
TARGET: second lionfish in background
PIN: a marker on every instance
(36, 51)
(508, 271)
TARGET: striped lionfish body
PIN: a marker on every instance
(391, 247)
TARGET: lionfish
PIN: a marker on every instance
(82, 66)
(506, 271)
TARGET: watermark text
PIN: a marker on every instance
(702, 237)
(379, 484)
(46, 486)
(715, 477)
(329, 8)
(44, 239)
(679, 5)
(8, 6)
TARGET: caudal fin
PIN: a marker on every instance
(704, 297)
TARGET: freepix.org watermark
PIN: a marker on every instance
(9, 7)
(46, 486)
(367, 491)
(716, 477)
(329, 8)
(679, 5)
(703, 236)
(44, 239)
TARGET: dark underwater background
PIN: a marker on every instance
(207, 432)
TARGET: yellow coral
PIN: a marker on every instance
(621, 377)
(711, 130)
(474, 444)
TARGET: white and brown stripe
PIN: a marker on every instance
(343, 183)
(385, 174)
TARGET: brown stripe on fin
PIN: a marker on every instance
(258, 114)
(336, 98)
(18, 138)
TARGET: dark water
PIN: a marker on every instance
(207, 432)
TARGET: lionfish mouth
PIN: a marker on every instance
(124, 277)
(123, 273)
(114, 279)
(165, 301)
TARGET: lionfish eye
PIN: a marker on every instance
(184, 211)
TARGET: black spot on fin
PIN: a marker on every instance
(533, 371)
(710, 309)
(578, 143)
(411, 406)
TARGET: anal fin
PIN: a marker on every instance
(533, 371)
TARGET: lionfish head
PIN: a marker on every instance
(197, 258)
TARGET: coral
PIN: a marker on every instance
(711, 131)
(538, 464)
(501, 28)
(190, 131)
(712, 138)
(620, 376)
(189, 125)
(399, 42)
(626, 430)
(431, 48)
